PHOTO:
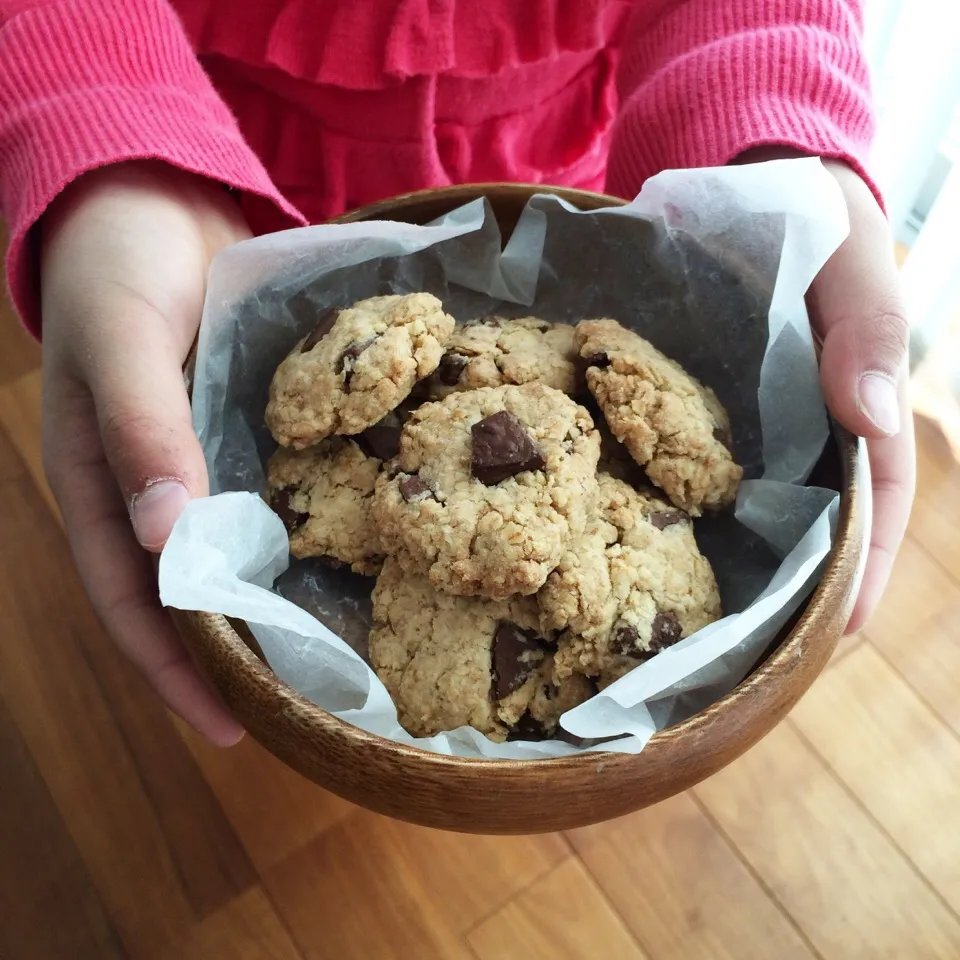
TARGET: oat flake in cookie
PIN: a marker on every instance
(356, 367)
(488, 489)
(633, 583)
(492, 352)
(323, 496)
(453, 661)
(672, 425)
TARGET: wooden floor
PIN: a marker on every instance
(122, 835)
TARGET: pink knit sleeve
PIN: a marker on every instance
(701, 81)
(84, 83)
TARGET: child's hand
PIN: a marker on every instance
(855, 304)
(856, 307)
(124, 262)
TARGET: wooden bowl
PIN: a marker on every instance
(529, 796)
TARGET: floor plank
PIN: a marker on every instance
(55, 699)
(874, 751)
(247, 928)
(831, 867)
(930, 662)
(209, 858)
(42, 875)
(920, 588)
(273, 810)
(20, 417)
(563, 916)
(936, 512)
(846, 645)
(682, 890)
(472, 876)
(352, 894)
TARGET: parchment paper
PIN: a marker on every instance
(710, 265)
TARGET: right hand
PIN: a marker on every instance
(124, 258)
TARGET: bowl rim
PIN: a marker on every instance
(846, 545)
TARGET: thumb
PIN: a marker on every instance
(855, 304)
(146, 426)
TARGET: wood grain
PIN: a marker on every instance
(208, 858)
(874, 753)
(683, 890)
(247, 928)
(273, 809)
(833, 869)
(473, 875)
(920, 588)
(556, 919)
(936, 512)
(929, 660)
(470, 877)
(20, 417)
(42, 876)
(351, 894)
(53, 695)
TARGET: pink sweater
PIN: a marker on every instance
(310, 107)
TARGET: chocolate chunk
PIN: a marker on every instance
(502, 449)
(282, 504)
(597, 360)
(349, 358)
(451, 366)
(528, 728)
(419, 394)
(413, 488)
(626, 641)
(667, 518)
(322, 328)
(382, 440)
(665, 631)
(516, 654)
(722, 436)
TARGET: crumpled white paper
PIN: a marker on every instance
(710, 265)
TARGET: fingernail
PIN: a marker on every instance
(154, 511)
(878, 402)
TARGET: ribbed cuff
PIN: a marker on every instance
(83, 85)
(733, 76)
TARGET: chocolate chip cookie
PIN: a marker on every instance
(633, 583)
(356, 366)
(323, 496)
(492, 352)
(452, 661)
(672, 425)
(488, 489)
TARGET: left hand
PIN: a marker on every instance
(855, 306)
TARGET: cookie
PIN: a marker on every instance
(355, 367)
(671, 424)
(488, 489)
(492, 352)
(452, 661)
(323, 496)
(633, 583)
